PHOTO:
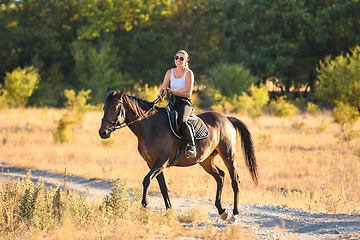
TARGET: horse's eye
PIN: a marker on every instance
(114, 109)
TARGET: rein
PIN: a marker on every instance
(122, 112)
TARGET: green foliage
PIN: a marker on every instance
(118, 203)
(19, 86)
(45, 209)
(281, 108)
(76, 106)
(339, 79)
(345, 115)
(149, 93)
(52, 84)
(231, 79)
(97, 69)
(348, 136)
(312, 108)
(21, 201)
(224, 104)
(276, 39)
(255, 103)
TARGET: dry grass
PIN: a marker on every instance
(302, 164)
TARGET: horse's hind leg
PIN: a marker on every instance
(163, 188)
(210, 167)
(228, 159)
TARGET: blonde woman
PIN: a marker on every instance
(181, 82)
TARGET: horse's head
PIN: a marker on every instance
(114, 113)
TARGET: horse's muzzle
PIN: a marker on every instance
(104, 133)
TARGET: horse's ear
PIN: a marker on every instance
(122, 92)
(109, 91)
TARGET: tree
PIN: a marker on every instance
(19, 86)
(97, 68)
(231, 79)
(286, 39)
(339, 79)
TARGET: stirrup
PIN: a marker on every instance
(190, 152)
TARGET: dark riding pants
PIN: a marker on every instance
(184, 108)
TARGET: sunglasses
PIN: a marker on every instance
(177, 58)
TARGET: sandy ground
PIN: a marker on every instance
(266, 221)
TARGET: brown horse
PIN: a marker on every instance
(157, 144)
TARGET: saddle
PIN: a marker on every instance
(196, 124)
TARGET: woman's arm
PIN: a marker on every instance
(165, 84)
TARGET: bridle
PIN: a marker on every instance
(121, 115)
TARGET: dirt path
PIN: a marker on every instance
(266, 221)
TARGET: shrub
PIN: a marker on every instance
(259, 98)
(282, 108)
(19, 86)
(312, 108)
(339, 79)
(345, 115)
(119, 200)
(21, 201)
(348, 136)
(224, 105)
(76, 108)
(231, 79)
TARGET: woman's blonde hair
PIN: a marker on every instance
(186, 55)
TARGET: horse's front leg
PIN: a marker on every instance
(164, 191)
(155, 171)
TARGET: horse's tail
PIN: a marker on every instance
(248, 148)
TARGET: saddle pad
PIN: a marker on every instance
(199, 127)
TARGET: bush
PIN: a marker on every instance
(231, 79)
(119, 200)
(282, 108)
(19, 86)
(345, 115)
(255, 103)
(76, 108)
(42, 208)
(339, 79)
(312, 108)
(149, 93)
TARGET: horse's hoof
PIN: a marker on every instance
(224, 215)
(234, 220)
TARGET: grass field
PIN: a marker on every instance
(302, 163)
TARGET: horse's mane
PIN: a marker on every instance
(137, 105)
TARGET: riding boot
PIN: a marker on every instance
(190, 151)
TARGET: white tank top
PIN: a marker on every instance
(178, 84)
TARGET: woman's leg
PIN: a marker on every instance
(184, 112)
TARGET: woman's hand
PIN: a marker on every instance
(162, 93)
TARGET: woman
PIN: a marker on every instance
(181, 81)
